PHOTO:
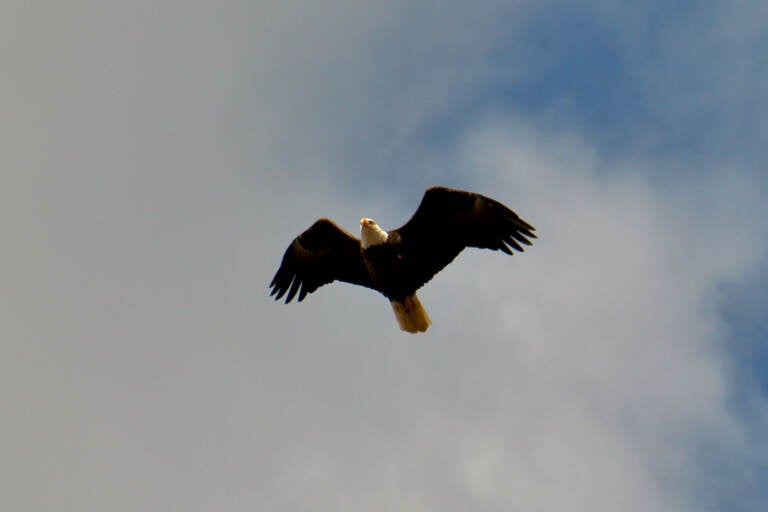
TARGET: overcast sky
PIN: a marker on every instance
(156, 158)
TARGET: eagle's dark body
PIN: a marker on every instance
(399, 262)
(388, 268)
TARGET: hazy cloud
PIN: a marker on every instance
(157, 160)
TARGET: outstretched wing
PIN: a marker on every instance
(320, 255)
(449, 220)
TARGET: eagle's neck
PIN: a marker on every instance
(371, 234)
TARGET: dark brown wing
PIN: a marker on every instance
(320, 255)
(449, 220)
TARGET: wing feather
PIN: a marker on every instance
(447, 221)
(320, 255)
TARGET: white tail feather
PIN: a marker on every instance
(411, 315)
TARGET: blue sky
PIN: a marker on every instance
(157, 158)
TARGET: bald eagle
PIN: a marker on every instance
(399, 262)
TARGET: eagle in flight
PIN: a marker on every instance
(397, 263)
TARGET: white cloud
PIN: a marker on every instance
(145, 367)
(583, 374)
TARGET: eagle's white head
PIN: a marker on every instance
(371, 233)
